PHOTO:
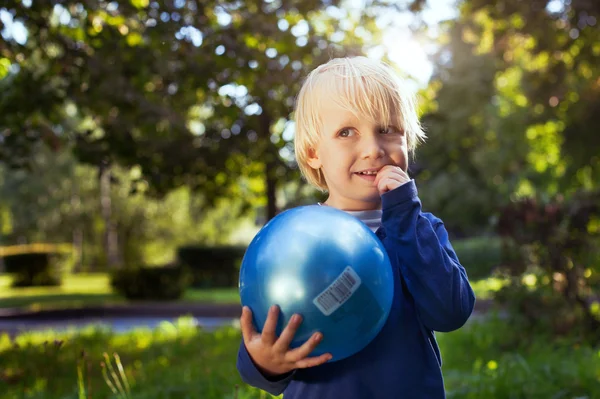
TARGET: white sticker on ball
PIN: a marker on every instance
(338, 292)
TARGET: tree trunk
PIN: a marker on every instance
(270, 157)
(111, 243)
(78, 226)
(271, 191)
(78, 249)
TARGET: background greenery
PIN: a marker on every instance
(136, 133)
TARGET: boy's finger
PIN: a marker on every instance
(383, 185)
(305, 349)
(312, 361)
(383, 172)
(287, 335)
(268, 332)
(248, 330)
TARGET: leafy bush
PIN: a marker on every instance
(479, 255)
(553, 281)
(490, 358)
(152, 283)
(213, 266)
(35, 264)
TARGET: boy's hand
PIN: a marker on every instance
(271, 354)
(390, 177)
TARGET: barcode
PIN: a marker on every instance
(338, 292)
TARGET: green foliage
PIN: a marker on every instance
(511, 110)
(480, 256)
(490, 358)
(487, 288)
(50, 201)
(35, 264)
(152, 283)
(518, 156)
(552, 281)
(486, 358)
(202, 104)
(213, 266)
(59, 201)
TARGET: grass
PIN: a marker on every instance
(485, 359)
(157, 363)
(90, 289)
(491, 359)
(76, 291)
(81, 290)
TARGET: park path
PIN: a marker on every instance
(126, 316)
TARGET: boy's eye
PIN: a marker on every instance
(345, 133)
(390, 130)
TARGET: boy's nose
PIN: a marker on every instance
(372, 148)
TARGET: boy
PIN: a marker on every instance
(355, 125)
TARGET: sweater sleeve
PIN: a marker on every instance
(251, 375)
(431, 270)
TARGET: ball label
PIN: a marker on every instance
(338, 292)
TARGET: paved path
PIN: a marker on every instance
(126, 316)
(158, 309)
(133, 309)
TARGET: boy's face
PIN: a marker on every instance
(350, 152)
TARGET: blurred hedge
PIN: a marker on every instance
(212, 266)
(152, 283)
(35, 264)
(219, 266)
(479, 255)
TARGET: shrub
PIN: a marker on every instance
(555, 273)
(213, 266)
(480, 255)
(35, 264)
(152, 283)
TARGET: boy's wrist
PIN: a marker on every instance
(401, 194)
(276, 377)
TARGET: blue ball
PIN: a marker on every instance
(325, 265)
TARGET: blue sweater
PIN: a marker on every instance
(432, 293)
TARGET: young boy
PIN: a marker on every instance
(355, 127)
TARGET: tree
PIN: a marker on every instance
(57, 202)
(512, 108)
(194, 93)
(513, 145)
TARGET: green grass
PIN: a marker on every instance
(213, 295)
(76, 291)
(90, 289)
(491, 359)
(157, 363)
(94, 289)
(485, 359)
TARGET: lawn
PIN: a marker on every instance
(90, 289)
(94, 289)
(485, 359)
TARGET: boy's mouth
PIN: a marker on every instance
(367, 174)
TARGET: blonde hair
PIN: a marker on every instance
(362, 86)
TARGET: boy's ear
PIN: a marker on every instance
(313, 159)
